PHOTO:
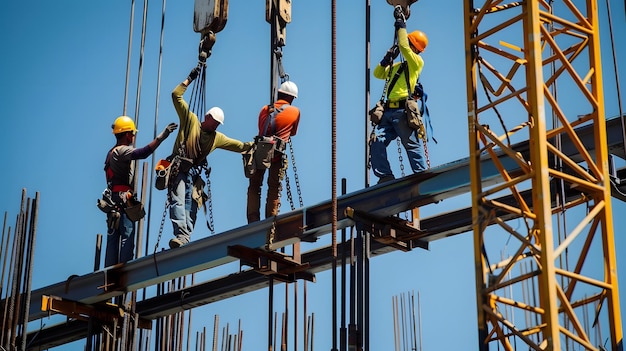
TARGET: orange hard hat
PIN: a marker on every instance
(419, 40)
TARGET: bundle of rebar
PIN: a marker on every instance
(17, 248)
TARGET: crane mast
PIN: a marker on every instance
(519, 56)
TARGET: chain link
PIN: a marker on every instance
(167, 205)
(426, 154)
(287, 186)
(210, 203)
(400, 156)
(295, 175)
(209, 200)
(281, 175)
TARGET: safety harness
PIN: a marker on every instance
(118, 196)
(270, 123)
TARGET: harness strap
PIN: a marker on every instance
(111, 177)
(397, 76)
(420, 94)
(270, 118)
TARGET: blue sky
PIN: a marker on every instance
(63, 81)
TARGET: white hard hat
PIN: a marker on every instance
(289, 88)
(216, 113)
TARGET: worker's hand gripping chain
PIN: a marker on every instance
(398, 14)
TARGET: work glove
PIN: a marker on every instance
(167, 131)
(394, 51)
(399, 24)
(194, 73)
(399, 16)
(391, 54)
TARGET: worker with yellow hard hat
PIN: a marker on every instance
(119, 200)
(394, 122)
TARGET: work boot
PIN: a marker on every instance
(386, 178)
(174, 243)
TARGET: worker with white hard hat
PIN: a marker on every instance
(195, 141)
(277, 124)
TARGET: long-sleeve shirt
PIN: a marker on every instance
(119, 163)
(285, 122)
(415, 64)
(209, 140)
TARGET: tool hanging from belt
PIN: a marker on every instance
(205, 198)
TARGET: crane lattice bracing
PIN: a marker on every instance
(519, 56)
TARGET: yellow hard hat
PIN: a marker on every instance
(123, 124)
(419, 40)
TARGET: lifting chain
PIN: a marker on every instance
(167, 205)
(271, 233)
(400, 157)
(209, 202)
(426, 153)
(282, 175)
(198, 101)
(295, 176)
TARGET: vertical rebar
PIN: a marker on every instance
(343, 334)
(18, 249)
(193, 278)
(396, 332)
(270, 310)
(29, 267)
(98, 253)
(5, 307)
(334, 167)
(215, 330)
(4, 249)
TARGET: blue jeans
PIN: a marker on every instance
(392, 125)
(183, 208)
(120, 242)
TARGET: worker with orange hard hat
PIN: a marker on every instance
(394, 121)
(118, 200)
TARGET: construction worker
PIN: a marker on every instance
(124, 209)
(394, 121)
(195, 141)
(277, 124)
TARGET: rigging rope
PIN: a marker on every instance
(197, 105)
(155, 129)
(617, 84)
(130, 45)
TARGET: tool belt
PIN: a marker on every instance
(262, 153)
(162, 172)
(167, 169)
(114, 203)
(414, 118)
(395, 104)
(376, 113)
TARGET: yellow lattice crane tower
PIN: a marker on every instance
(519, 56)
